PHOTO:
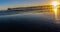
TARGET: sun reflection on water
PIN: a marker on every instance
(55, 9)
(56, 13)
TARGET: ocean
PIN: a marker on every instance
(28, 21)
(9, 12)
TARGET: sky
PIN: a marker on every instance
(20, 3)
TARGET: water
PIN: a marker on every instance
(10, 12)
(28, 21)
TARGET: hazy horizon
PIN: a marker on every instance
(4, 4)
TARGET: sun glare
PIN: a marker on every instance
(55, 3)
(55, 7)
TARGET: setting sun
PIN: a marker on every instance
(55, 3)
(55, 8)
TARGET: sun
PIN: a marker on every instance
(55, 8)
(55, 3)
